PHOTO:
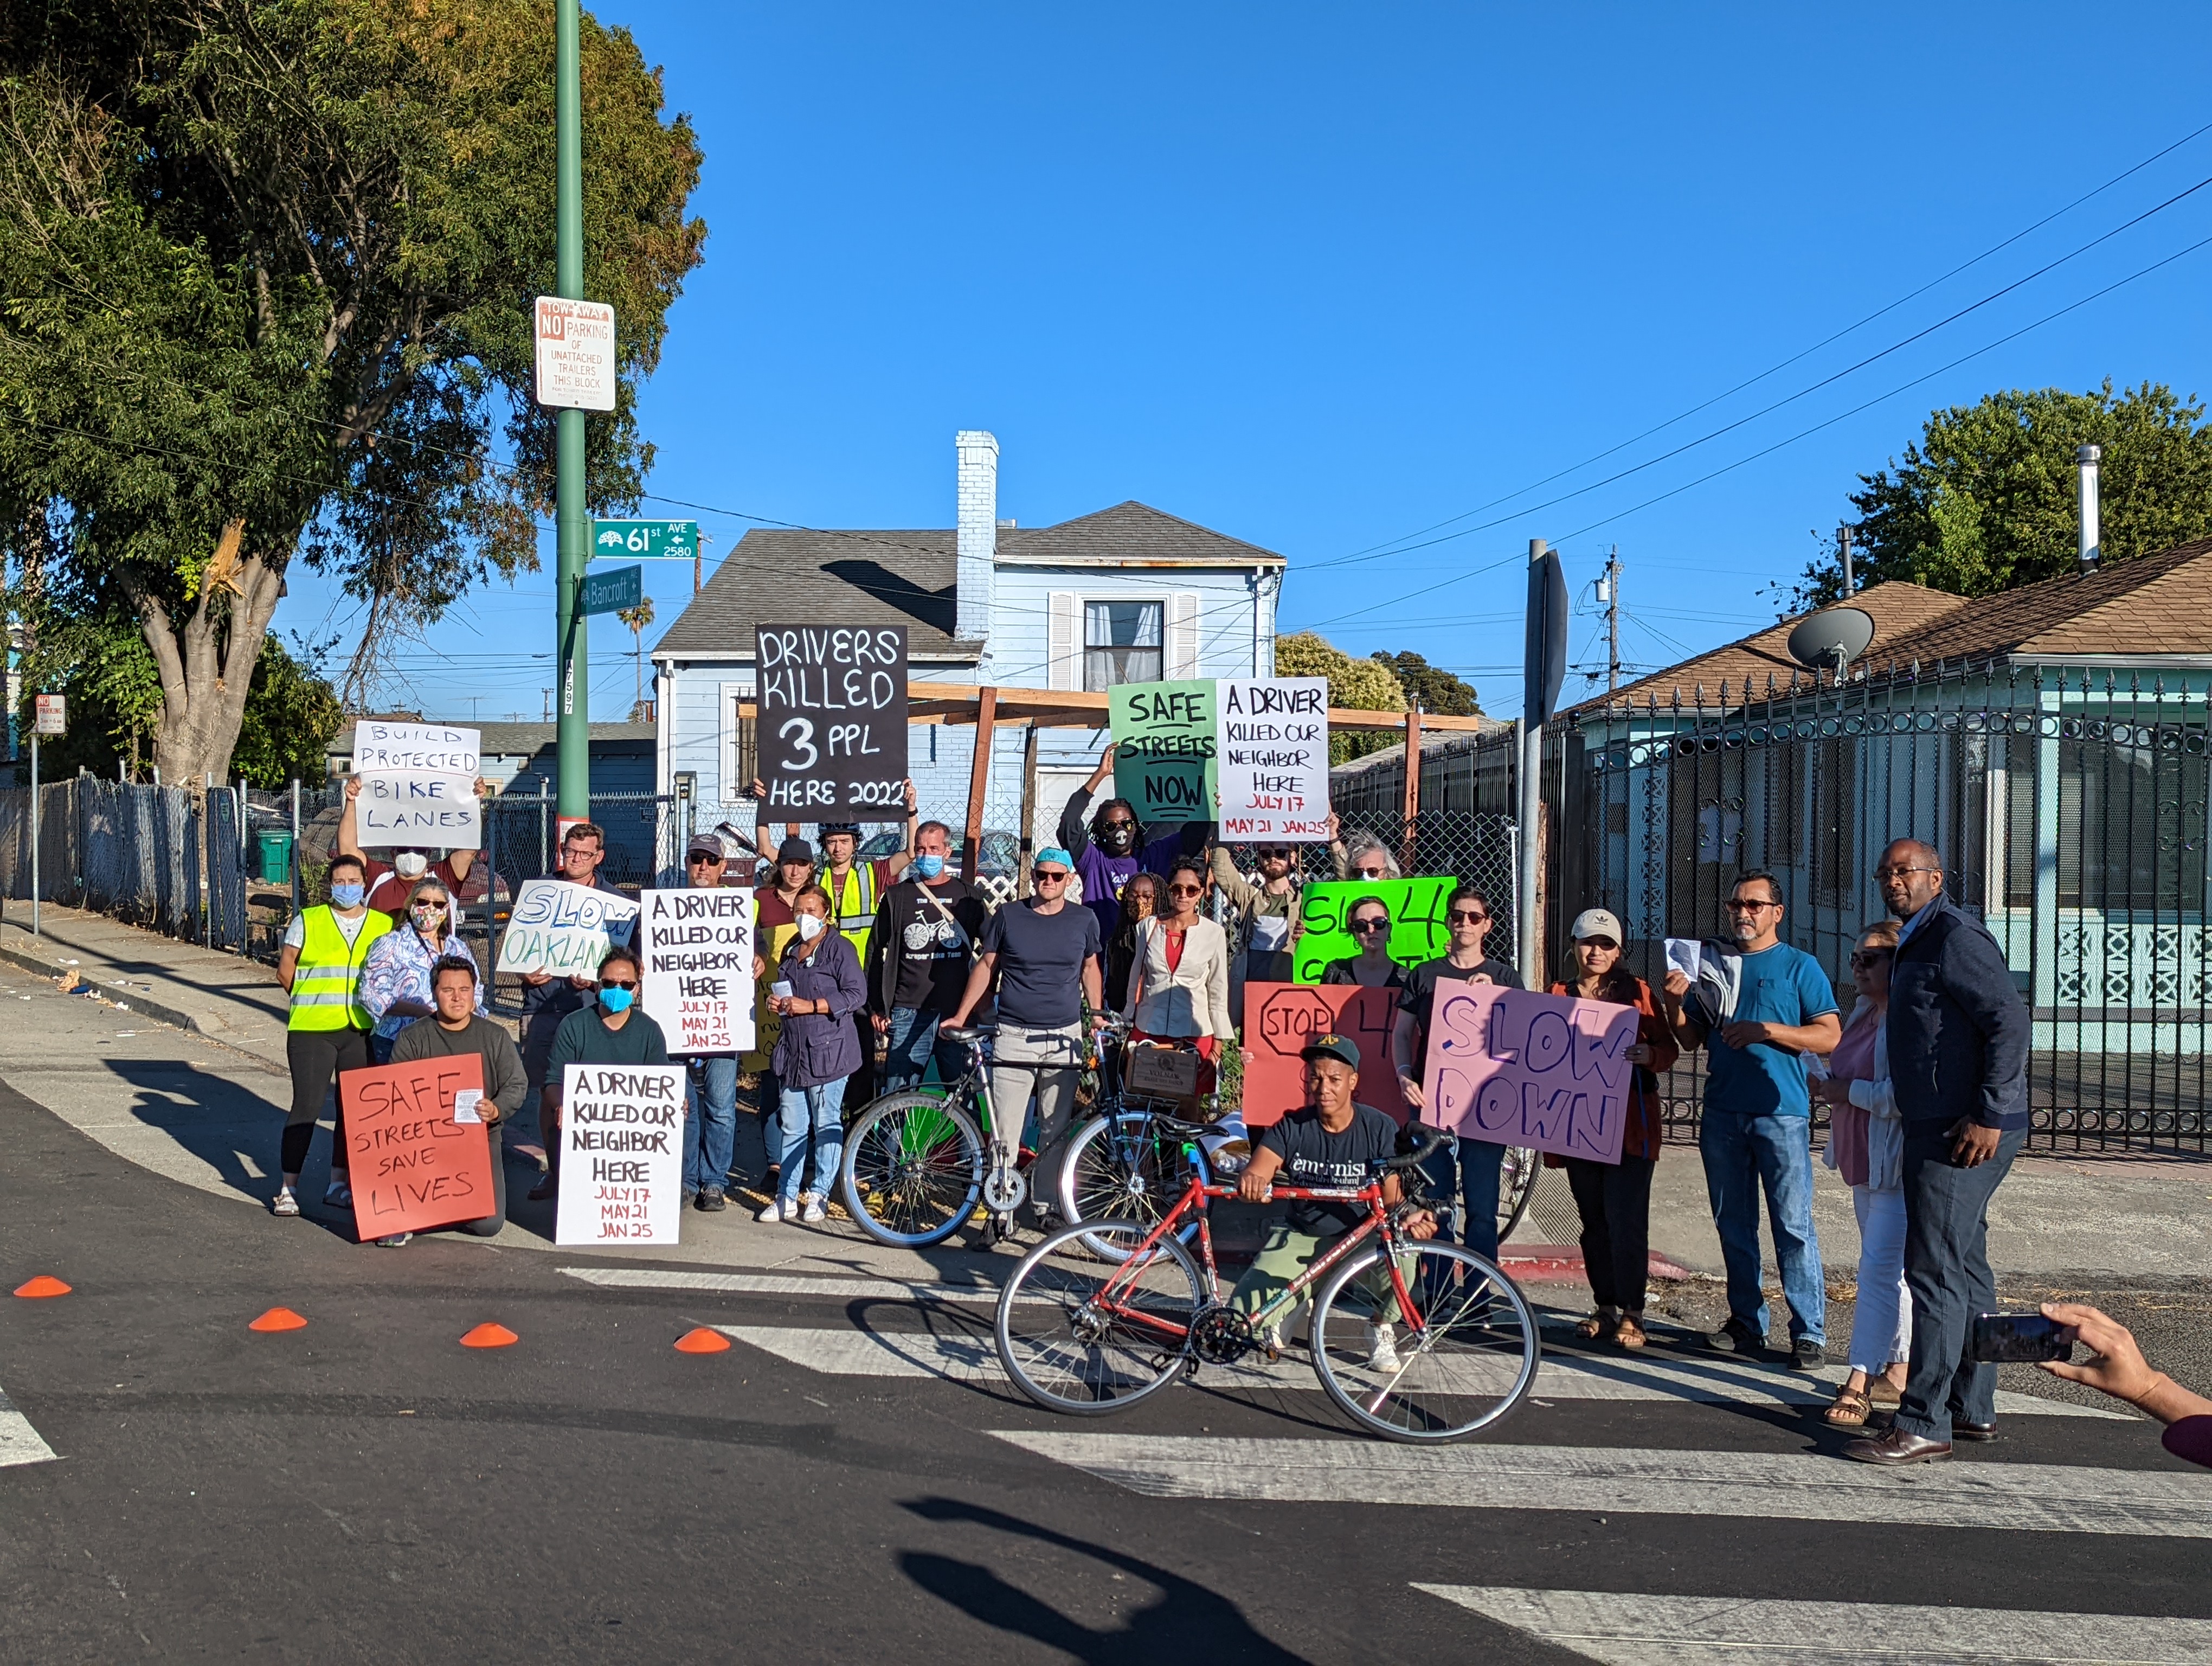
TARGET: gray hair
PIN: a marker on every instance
(1360, 845)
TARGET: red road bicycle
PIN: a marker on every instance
(1414, 1339)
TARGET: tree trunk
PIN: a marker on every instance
(206, 662)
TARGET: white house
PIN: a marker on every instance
(1128, 594)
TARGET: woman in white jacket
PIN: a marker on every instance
(1866, 1146)
(1179, 981)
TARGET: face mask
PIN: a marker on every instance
(347, 897)
(410, 864)
(427, 918)
(1118, 838)
(928, 865)
(616, 1000)
(810, 927)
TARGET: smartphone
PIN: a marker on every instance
(2009, 1339)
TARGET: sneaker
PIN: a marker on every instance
(548, 1186)
(1382, 1348)
(338, 1195)
(711, 1198)
(776, 1214)
(1735, 1337)
(690, 1196)
(1806, 1354)
(392, 1241)
(286, 1204)
(810, 1209)
(1272, 1342)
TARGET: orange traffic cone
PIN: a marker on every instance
(45, 1284)
(278, 1318)
(490, 1336)
(702, 1341)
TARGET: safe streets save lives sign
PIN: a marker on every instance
(1250, 752)
(622, 1153)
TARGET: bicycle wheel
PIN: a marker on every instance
(1123, 1167)
(1088, 1339)
(1465, 1356)
(1516, 1184)
(913, 1168)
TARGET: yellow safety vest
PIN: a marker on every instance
(854, 905)
(327, 981)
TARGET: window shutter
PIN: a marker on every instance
(1182, 654)
(1063, 648)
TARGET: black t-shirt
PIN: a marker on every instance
(933, 944)
(1041, 959)
(1418, 997)
(1312, 1156)
(1346, 971)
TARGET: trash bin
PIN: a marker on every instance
(274, 848)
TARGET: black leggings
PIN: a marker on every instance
(316, 1056)
(1614, 1200)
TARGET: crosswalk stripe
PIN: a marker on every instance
(967, 1360)
(19, 1442)
(784, 1284)
(1636, 1630)
(1599, 1481)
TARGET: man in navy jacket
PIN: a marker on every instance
(1958, 1034)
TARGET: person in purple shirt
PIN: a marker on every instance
(1110, 848)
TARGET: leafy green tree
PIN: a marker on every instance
(265, 279)
(1365, 685)
(292, 715)
(1432, 688)
(1987, 499)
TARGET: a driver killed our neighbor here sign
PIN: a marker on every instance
(1250, 752)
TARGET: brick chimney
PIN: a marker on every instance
(976, 576)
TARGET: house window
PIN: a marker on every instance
(1122, 642)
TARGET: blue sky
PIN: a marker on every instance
(1321, 277)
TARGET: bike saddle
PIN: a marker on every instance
(963, 1034)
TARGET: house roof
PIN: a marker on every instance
(2144, 609)
(518, 739)
(908, 578)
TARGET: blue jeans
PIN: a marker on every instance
(1741, 1154)
(913, 1043)
(710, 1119)
(1947, 1267)
(821, 1111)
(1469, 1168)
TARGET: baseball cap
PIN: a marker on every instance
(708, 844)
(795, 850)
(1342, 1048)
(1055, 855)
(1598, 922)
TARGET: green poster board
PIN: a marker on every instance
(1164, 741)
(1419, 930)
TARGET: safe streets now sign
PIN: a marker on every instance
(576, 354)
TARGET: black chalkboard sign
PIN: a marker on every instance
(833, 722)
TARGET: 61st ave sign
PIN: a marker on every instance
(652, 539)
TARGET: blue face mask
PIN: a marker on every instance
(928, 865)
(347, 897)
(616, 1000)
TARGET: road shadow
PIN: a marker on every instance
(210, 1117)
(1186, 1621)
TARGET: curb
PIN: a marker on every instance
(1562, 1263)
(160, 1013)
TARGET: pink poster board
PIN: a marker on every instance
(1519, 1068)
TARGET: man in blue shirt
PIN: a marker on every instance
(1757, 1127)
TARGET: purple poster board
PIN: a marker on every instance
(1519, 1068)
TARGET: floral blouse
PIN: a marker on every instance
(398, 968)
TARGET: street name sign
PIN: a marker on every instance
(654, 540)
(612, 591)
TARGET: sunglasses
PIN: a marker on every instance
(1185, 890)
(1274, 853)
(700, 858)
(1050, 876)
(617, 983)
(1369, 927)
(1462, 918)
(1734, 906)
(1367, 872)
(1119, 822)
(1866, 958)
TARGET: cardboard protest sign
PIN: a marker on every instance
(698, 950)
(1520, 1068)
(1274, 756)
(1419, 930)
(560, 926)
(418, 784)
(1166, 739)
(622, 1153)
(767, 1022)
(1280, 1019)
(833, 722)
(414, 1165)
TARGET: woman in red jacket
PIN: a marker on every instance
(1615, 1199)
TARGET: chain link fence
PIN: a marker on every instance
(134, 853)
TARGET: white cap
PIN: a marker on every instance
(1598, 922)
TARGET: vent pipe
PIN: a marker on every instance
(2087, 456)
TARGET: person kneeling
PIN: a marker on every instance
(456, 1028)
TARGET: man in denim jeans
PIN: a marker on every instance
(710, 1099)
(1757, 1127)
(924, 941)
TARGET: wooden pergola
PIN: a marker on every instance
(991, 708)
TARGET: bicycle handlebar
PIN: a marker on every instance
(1432, 1141)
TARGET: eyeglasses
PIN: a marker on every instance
(1050, 876)
(1899, 872)
(1734, 906)
(617, 983)
(1866, 958)
(1463, 917)
(1185, 890)
(1369, 927)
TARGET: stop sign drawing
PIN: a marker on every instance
(1281, 1018)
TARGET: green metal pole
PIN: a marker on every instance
(572, 532)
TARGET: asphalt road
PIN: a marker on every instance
(852, 1482)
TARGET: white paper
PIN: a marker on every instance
(698, 947)
(1272, 758)
(562, 927)
(466, 1101)
(415, 807)
(432, 749)
(1684, 955)
(622, 1154)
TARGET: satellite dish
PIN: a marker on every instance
(1832, 638)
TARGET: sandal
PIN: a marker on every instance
(1629, 1334)
(1601, 1322)
(1849, 1410)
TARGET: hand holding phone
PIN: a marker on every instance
(2018, 1338)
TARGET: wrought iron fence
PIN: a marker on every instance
(2070, 809)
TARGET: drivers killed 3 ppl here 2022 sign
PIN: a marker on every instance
(833, 711)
